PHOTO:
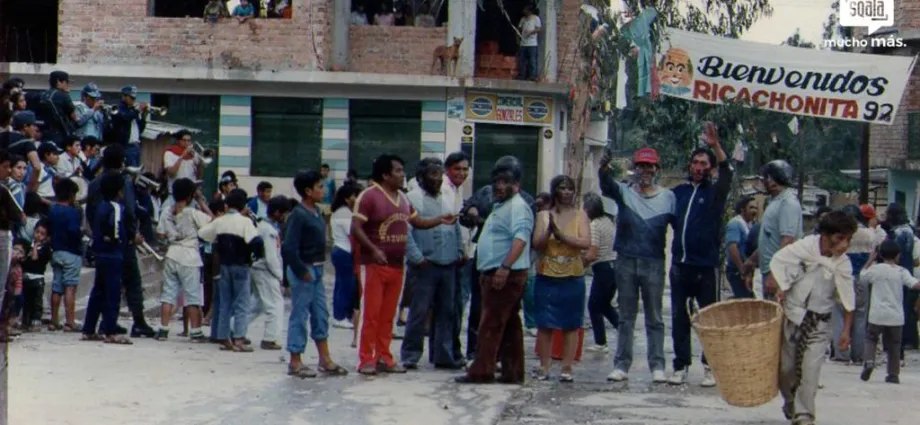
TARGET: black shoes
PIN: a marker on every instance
(145, 331)
(892, 379)
(162, 335)
(866, 373)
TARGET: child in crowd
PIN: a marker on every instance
(38, 255)
(65, 221)
(211, 273)
(812, 275)
(237, 242)
(110, 239)
(13, 299)
(34, 210)
(886, 313)
(268, 272)
(49, 154)
(182, 269)
(68, 163)
(16, 182)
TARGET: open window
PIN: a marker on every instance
(28, 31)
(418, 13)
(497, 41)
(195, 8)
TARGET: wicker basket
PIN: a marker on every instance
(742, 341)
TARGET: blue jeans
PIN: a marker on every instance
(346, 286)
(635, 277)
(133, 155)
(215, 307)
(235, 300)
(527, 63)
(105, 297)
(462, 296)
(435, 289)
(528, 302)
(736, 281)
(308, 302)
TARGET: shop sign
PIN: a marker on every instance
(509, 109)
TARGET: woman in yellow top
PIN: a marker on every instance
(560, 235)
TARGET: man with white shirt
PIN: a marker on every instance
(456, 171)
(528, 55)
(181, 161)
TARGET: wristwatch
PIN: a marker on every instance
(505, 267)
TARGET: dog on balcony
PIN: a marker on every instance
(448, 57)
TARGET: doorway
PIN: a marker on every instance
(494, 141)
(28, 31)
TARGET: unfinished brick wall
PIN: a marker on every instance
(907, 14)
(567, 38)
(888, 144)
(107, 32)
(394, 50)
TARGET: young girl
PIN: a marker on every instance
(812, 275)
(12, 300)
(38, 255)
(601, 257)
(345, 285)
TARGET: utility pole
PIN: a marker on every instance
(864, 165)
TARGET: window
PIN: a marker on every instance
(28, 31)
(286, 135)
(195, 8)
(913, 135)
(384, 126)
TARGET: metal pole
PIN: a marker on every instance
(864, 165)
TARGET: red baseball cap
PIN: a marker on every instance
(645, 156)
(867, 211)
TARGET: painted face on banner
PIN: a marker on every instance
(675, 70)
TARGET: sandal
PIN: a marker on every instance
(92, 337)
(566, 377)
(54, 327)
(71, 328)
(335, 370)
(302, 372)
(119, 340)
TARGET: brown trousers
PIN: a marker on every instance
(501, 334)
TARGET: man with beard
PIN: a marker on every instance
(434, 254)
(695, 248)
(645, 209)
(502, 259)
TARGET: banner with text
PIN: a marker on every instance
(793, 80)
(509, 109)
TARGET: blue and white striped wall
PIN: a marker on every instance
(235, 135)
(434, 128)
(335, 136)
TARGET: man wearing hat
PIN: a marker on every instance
(56, 109)
(21, 141)
(50, 155)
(90, 119)
(128, 124)
(645, 210)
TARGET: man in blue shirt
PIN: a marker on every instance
(434, 254)
(645, 210)
(90, 119)
(737, 233)
(503, 259)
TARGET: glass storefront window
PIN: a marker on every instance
(287, 135)
(384, 126)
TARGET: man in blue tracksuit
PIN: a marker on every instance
(695, 249)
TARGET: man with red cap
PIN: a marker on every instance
(645, 210)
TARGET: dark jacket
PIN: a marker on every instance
(94, 197)
(698, 219)
(110, 236)
(304, 241)
(121, 124)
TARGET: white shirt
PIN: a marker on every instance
(186, 168)
(182, 233)
(67, 165)
(358, 18)
(886, 302)
(135, 136)
(530, 24)
(341, 228)
(452, 197)
(46, 182)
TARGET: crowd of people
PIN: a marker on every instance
(427, 249)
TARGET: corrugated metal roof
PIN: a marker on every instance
(156, 129)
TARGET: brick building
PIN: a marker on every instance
(897, 147)
(278, 95)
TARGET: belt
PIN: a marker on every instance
(319, 264)
(823, 317)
